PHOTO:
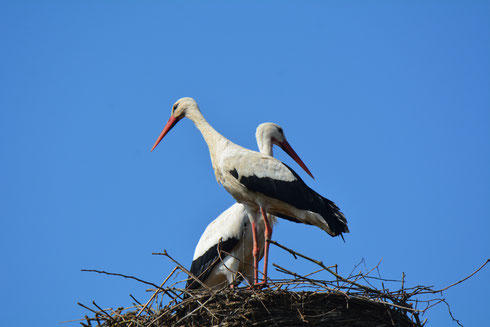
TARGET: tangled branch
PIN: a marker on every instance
(294, 300)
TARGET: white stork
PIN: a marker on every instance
(224, 252)
(260, 182)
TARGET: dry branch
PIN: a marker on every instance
(298, 300)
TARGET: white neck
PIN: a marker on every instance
(265, 147)
(214, 140)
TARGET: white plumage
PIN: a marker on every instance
(260, 182)
(224, 253)
(231, 233)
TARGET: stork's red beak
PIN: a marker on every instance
(171, 123)
(289, 150)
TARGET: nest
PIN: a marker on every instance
(275, 308)
(359, 299)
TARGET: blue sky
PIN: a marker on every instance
(387, 103)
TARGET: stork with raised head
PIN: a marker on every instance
(224, 252)
(261, 183)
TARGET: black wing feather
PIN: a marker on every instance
(299, 195)
(202, 266)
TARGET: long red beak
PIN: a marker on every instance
(289, 150)
(171, 123)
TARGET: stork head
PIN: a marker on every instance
(179, 111)
(180, 108)
(268, 134)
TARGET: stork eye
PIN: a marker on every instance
(280, 130)
(175, 106)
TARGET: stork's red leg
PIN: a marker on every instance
(255, 253)
(267, 235)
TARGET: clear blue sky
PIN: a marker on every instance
(388, 103)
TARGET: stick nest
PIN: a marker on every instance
(359, 299)
(275, 308)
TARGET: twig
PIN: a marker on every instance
(451, 314)
(84, 306)
(102, 310)
(462, 280)
(121, 275)
(135, 300)
(154, 294)
(183, 269)
(320, 263)
(306, 279)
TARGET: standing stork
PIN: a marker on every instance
(261, 183)
(224, 252)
